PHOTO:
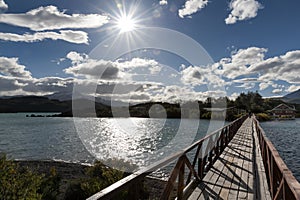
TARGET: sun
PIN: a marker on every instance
(126, 23)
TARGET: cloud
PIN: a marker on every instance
(239, 62)
(191, 7)
(50, 18)
(155, 69)
(76, 57)
(99, 69)
(10, 67)
(3, 6)
(277, 91)
(233, 96)
(110, 70)
(194, 75)
(293, 88)
(247, 86)
(9, 84)
(140, 63)
(284, 67)
(242, 10)
(77, 37)
(263, 86)
(163, 2)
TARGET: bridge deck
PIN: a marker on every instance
(238, 173)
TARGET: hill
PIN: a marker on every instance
(32, 104)
(293, 97)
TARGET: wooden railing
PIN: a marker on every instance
(204, 153)
(282, 183)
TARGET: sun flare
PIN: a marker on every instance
(126, 24)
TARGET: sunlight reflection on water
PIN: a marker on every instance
(130, 139)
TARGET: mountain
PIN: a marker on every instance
(293, 97)
(69, 96)
(32, 104)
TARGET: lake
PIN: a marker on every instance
(140, 141)
(285, 136)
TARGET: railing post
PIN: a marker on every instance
(201, 166)
(180, 182)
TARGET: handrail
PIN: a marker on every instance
(206, 155)
(282, 183)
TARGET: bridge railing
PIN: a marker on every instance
(205, 152)
(282, 183)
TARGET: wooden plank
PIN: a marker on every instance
(219, 179)
(232, 175)
(209, 179)
(231, 191)
(237, 183)
(246, 172)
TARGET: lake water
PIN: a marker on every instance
(285, 136)
(140, 141)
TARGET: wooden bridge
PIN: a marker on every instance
(235, 162)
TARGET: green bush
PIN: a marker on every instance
(21, 183)
(18, 183)
(263, 117)
(50, 186)
(99, 177)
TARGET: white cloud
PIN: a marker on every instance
(155, 69)
(77, 37)
(242, 10)
(191, 7)
(110, 70)
(100, 69)
(163, 2)
(263, 86)
(194, 75)
(50, 18)
(11, 68)
(76, 57)
(247, 86)
(233, 96)
(140, 63)
(277, 91)
(239, 62)
(3, 5)
(284, 67)
(245, 80)
(293, 88)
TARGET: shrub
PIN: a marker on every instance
(21, 183)
(99, 177)
(50, 185)
(18, 183)
(263, 117)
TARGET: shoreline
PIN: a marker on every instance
(69, 171)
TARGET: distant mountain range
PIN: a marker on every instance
(98, 107)
(293, 98)
(83, 107)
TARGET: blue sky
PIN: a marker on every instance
(45, 48)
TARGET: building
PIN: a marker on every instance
(283, 111)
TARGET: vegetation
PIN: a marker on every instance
(245, 102)
(99, 177)
(22, 183)
(18, 183)
(263, 117)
